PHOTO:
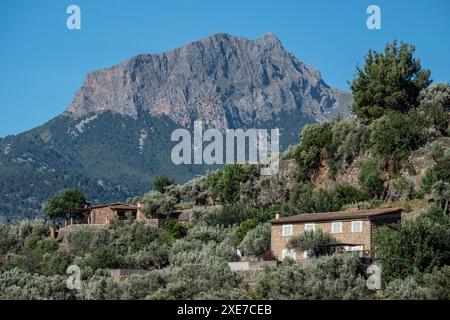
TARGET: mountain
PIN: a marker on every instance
(114, 138)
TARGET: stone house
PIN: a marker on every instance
(352, 230)
(102, 214)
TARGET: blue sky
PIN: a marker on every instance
(42, 63)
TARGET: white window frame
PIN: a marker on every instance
(284, 229)
(355, 223)
(338, 223)
(309, 225)
(288, 253)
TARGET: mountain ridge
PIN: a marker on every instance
(114, 138)
(229, 81)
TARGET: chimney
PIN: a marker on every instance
(277, 215)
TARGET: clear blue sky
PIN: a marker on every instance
(42, 63)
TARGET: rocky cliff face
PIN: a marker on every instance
(114, 139)
(224, 80)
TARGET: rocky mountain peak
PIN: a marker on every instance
(224, 80)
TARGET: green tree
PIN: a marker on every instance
(65, 200)
(257, 241)
(389, 81)
(392, 136)
(416, 247)
(174, 229)
(327, 277)
(441, 194)
(157, 203)
(229, 183)
(244, 228)
(370, 178)
(162, 182)
(315, 242)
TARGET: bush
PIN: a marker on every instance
(441, 194)
(103, 258)
(229, 182)
(257, 241)
(154, 255)
(317, 243)
(244, 228)
(156, 203)
(329, 277)
(174, 229)
(437, 150)
(416, 247)
(305, 198)
(389, 81)
(161, 183)
(394, 135)
(434, 285)
(81, 239)
(313, 139)
(370, 178)
(17, 284)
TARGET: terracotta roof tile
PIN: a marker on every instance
(337, 215)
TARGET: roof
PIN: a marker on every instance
(114, 206)
(337, 215)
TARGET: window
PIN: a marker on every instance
(336, 227)
(286, 230)
(288, 253)
(310, 227)
(356, 226)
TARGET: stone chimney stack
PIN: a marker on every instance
(277, 215)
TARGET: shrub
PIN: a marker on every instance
(437, 150)
(156, 203)
(103, 258)
(174, 229)
(416, 247)
(17, 284)
(257, 241)
(317, 243)
(434, 285)
(389, 81)
(244, 228)
(154, 255)
(329, 277)
(161, 183)
(370, 178)
(394, 136)
(80, 239)
(428, 180)
(306, 198)
(441, 194)
(229, 183)
(313, 139)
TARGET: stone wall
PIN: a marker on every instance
(101, 215)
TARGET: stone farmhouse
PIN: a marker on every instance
(352, 230)
(101, 215)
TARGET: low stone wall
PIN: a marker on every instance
(63, 232)
(251, 265)
(122, 274)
